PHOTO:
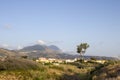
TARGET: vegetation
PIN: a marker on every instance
(107, 71)
(11, 63)
(81, 49)
(25, 57)
(24, 69)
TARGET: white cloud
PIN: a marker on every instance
(7, 46)
(19, 47)
(4, 45)
(41, 42)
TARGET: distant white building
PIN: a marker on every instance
(49, 60)
(69, 61)
(100, 61)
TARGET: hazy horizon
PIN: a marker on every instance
(64, 23)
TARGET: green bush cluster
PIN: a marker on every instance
(17, 64)
(109, 70)
(57, 67)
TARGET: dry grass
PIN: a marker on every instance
(17, 64)
(22, 69)
(110, 72)
(44, 72)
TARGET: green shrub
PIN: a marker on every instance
(17, 64)
(57, 67)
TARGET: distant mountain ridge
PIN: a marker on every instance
(34, 47)
(53, 47)
(36, 51)
(6, 52)
(51, 51)
(40, 48)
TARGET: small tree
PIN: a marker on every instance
(93, 58)
(81, 49)
(24, 57)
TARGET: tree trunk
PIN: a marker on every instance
(81, 57)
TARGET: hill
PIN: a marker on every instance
(36, 51)
(34, 47)
(109, 72)
(53, 47)
(6, 52)
(11, 63)
(52, 51)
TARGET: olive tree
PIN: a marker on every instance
(81, 49)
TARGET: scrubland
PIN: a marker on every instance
(23, 69)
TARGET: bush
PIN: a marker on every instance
(56, 67)
(17, 64)
(107, 71)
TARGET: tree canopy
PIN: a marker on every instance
(81, 49)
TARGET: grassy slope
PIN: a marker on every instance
(109, 72)
(17, 64)
(47, 72)
(22, 69)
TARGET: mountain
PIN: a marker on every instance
(34, 47)
(51, 51)
(36, 51)
(53, 47)
(40, 48)
(6, 52)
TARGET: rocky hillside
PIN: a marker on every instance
(36, 51)
(52, 51)
(6, 52)
(110, 72)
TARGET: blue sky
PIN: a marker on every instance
(65, 23)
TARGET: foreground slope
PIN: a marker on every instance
(109, 72)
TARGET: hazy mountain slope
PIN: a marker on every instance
(5, 52)
(37, 51)
(53, 47)
(34, 47)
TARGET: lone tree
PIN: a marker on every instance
(81, 49)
